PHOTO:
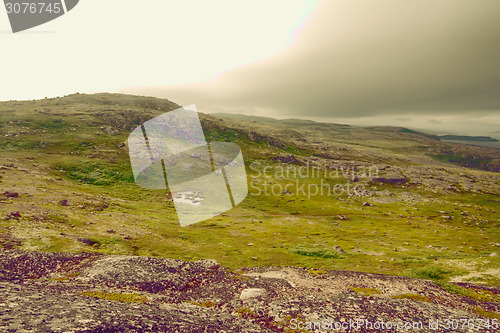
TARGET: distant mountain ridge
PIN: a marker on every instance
(467, 138)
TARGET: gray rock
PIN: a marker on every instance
(208, 263)
(253, 293)
(338, 249)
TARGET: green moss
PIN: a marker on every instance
(366, 291)
(415, 297)
(246, 312)
(205, 304)
(314, 272)
(128, 298)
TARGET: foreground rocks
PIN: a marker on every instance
(53, 292)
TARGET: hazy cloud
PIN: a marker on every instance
(368, 58)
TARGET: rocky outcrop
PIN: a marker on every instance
(289, 159)
(391, 179)
(52, 292)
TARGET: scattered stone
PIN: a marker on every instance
(110, 231)
(208, 263)
(342, 217)
(85, 241)
(39, 290)
(12, 194)
(367, 204)
(391, 179)
(255, 258)
(338, 249)
(290, 159)
(14, 215)
(494, 254)
(253, 293)
(8, 241)
(63, 202)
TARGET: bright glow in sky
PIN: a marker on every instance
(114, 44)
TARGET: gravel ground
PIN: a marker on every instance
(55, 292)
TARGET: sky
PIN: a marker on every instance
(430, 64)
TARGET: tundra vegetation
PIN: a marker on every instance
(431, 211)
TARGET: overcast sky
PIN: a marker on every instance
(424, 64)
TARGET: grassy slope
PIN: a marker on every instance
(71, 148)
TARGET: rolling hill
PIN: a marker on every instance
(420, 208)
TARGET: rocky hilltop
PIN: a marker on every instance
(54, 292)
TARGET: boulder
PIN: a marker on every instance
(253, 293)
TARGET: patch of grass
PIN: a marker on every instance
(96, 173)
(315, 272)
(246, 313)
(415, 297)
(318, 253)
(476, 294)
(205, 304)
(366, 291)
(288, 322)
(118, 297)
(485, 313)
(432, 273)
(466, 161)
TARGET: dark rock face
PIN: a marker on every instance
(391, 179)
(290, 159)
(53, 292)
